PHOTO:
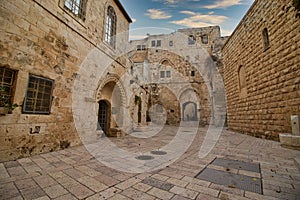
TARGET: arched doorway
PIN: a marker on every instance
(104, 116)
(189, 111)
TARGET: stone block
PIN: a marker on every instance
(295, 120)
(289, 140)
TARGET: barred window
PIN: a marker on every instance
(153, 43)
(158, 43)
(7, 83)
(39, 95)
(111, 27)
(162, 74)
(76, 7)
(168, 74)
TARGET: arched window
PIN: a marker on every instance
(242, 81)
(111, 27)
(266, 38)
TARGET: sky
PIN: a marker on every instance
(166, 16)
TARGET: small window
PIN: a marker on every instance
(266, 38)
(168, 74)
(138, 47)
(158, 43)
(111, 27)
(204, 39)
(7, 82)
(38, 96)
(192, 73)
(170, 43)
(143, 47)
(162, 74)
(76, 7)
(191, 40)
(153, 43)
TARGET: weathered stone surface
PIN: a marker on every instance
(264, 95)
(45, 39)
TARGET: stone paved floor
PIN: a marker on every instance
(74, 174)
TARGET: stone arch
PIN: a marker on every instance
(189, 111)
(115, 79)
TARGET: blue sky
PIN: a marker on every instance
(165, 16)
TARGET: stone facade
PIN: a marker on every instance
(262, 71)
(50, 41)
(176, 76)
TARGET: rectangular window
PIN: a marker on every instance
(192, 73)
(266, 38)
(158, 43)
(143, 47)
(153, 43)
(138, 47)
(38, 96)
(204, 39)
(170, 43)
(162, 74)
(7, 82)
(168, 74)
(191, 40)
(75, 6)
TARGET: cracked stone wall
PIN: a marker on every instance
(45, 39)
(262, 80)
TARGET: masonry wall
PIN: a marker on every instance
(263, 95)
(44, 39)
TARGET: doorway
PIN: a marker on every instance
(103, 116)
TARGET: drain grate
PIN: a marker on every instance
(158, 152)
(231, 180)
(235, 164)
(144, 157)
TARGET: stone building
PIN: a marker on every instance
(43, 46)
(175, 78)
(262, 70)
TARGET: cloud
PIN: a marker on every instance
(186, 12)
(157, 14)
(200, 20)
(225, 32)
(223, 4)
(133, 20)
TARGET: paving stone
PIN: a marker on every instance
(178, 197)
(119, 197)
(74, 173)
(177, 182)
(107, 180)
(33, 193)
(8, 190)
(10, 164)
(205, 197)
(80, 191)
(25, 183)
(142, 187)
(136, 194)
(16, 171)
(203, 190)
(55, 191)
(43, 198)
(66, 197)
(161, 194)
(184, 192)
(128, 183)
(45, 181)
(92, 183)
(157, 183)
(160, 177)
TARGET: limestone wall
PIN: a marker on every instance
(263, 80)
(44, 39)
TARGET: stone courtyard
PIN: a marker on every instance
(74, 174)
